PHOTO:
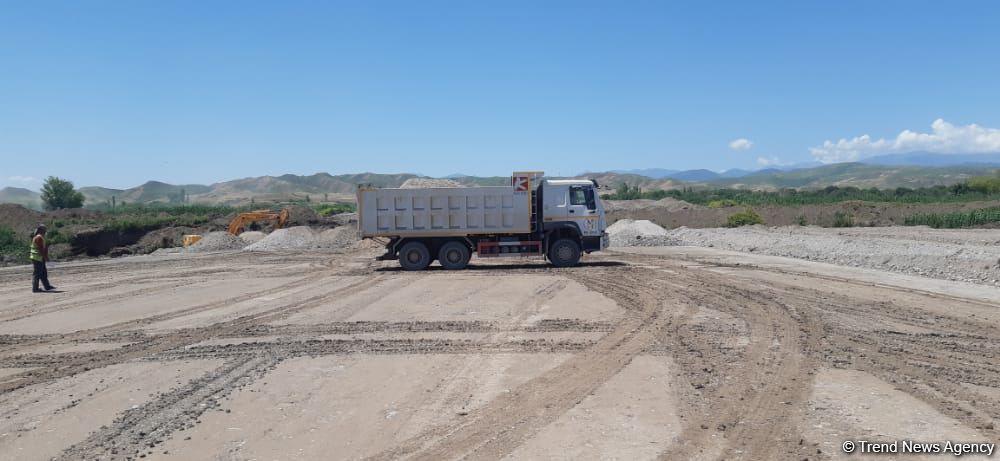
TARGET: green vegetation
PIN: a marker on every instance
(747, 217)
(12, 249)
(842, 219)
(722, 203)
(59, 193)
(979, 188)
(328, 209)
(627, 192)
(955, 220)
(984, 184)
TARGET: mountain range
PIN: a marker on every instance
(918, 169)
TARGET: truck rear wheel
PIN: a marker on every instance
(564, 253)
(454, 255)
(414, 256)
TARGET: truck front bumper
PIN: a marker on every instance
(595, 243)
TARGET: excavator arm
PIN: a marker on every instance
(242, 219)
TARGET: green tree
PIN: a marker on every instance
(59, 193)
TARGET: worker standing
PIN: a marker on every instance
(39, 256)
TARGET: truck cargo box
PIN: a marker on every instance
(443, 212)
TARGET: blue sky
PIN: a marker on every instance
(117, 93)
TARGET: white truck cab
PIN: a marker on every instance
(574, 202)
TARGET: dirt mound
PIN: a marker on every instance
(304, 238)
(168, 237)
(667, 204)
(302, 216)
(627, 232)
(217, 241)
(424, 183)
(340, 237)
(290, 238)
(962, 255)
(252, 236)
(19, 218)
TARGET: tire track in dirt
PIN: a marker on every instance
(137, 431)
(511, 418)
(841, 324)
(165, 342)
(82, 335)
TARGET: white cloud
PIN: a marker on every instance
(740, 144)
(944, 138)
(22, 179)
(769, 161)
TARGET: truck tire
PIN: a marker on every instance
(564, 253)
(454, 255)
(414, 256)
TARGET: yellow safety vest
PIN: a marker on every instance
(36, 253)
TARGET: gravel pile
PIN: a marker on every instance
(962, 255)
(252, 236)
(291, 238)
(628, 233)
(217, 241)
(304, 238)
(340, 237)
(424, 183)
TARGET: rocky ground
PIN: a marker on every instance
(969, 255)
(670, 213)
(661, 353)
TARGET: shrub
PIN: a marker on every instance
(956, 219)
(328, 209)
(726, 203)
(984, 184)
(12, 248)
(746, 217)
(801, 220)
(842, 219)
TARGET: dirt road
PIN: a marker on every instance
(658, 353)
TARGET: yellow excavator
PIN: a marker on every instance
(242, 219)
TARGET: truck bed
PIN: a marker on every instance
(443, 212)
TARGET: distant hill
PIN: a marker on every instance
(685, 175)
(322, 186)
(655, 173)
(934, 160)
(24, 197)
(695, 175)
(854, 174)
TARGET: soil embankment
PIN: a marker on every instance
(861, 213)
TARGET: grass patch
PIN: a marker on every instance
(13, 249)
(976, 189)
(747, 217)
(843, 219)
(956, 219)
(329, 209)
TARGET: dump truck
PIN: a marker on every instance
(531, 217)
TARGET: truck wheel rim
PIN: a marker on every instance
(453, 256)
(413, 257)
(565, 252)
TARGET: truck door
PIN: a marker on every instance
(583, 210)
(556, 203)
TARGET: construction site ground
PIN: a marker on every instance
(642, 353)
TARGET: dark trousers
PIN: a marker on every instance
(41, 273)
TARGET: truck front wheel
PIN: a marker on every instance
(564, 253)
(414, 256)
(454, 255)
